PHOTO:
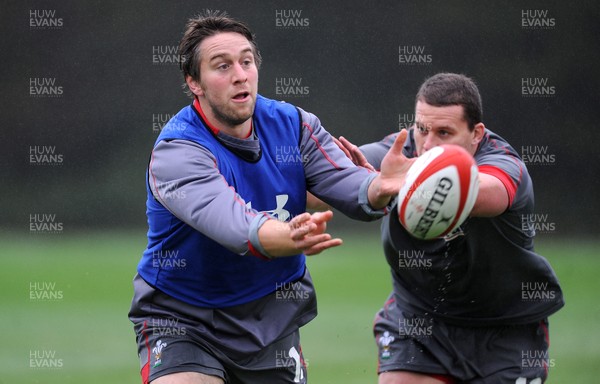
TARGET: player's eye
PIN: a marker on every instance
(422, 130)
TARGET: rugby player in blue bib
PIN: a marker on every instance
(222, 288)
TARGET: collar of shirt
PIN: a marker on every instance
(247, 148)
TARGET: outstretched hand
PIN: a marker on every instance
(394, 167)
(307, 231)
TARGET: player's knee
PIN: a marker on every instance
(405, 377)
(187, 378)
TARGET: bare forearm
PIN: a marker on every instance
(275, 238)
(492, 199)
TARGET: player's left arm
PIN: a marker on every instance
(500, 175)
(493, 197)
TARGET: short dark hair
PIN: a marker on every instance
(199, 28)
(445, 89)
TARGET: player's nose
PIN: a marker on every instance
(429, 143)
(239, 74)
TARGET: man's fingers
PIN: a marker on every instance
(342, 147)
(350, 148)
(312, 242)
(399, 142)
(300, 220)
(308, 232)
(302, 225)
(320, 247)
(301, 231)
(322, 217)
(355, 154)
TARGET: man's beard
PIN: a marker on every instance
(230, 117)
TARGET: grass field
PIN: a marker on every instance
(65, 300)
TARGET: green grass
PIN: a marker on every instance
(92, 340)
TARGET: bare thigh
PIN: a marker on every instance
(404, 377)
(187, 378)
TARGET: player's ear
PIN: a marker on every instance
(478, 132)
(194, 86)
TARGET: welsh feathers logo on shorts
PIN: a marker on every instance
(384, 341)
(157, 350)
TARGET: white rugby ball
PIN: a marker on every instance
(439, 192)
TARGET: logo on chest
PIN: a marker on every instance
(279, 212)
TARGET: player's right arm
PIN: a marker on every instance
(306, 232)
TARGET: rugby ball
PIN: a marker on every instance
(439, 192)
